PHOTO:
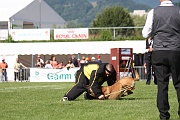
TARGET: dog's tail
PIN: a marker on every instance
(137, 76)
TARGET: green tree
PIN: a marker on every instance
(115, 17)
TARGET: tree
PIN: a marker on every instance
(115, 17)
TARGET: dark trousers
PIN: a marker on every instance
(166, 63)
(79, 87)
(149, 69)
(5, 75)
(16, 76)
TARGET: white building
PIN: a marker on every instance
(139, 12)
(28, 14)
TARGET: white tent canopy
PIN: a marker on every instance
(69, 47)
(35, 11)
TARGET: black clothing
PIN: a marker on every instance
(75, 62)
(166, 54)
(92, 75)
(149, 67)
(166, 62)
(166, 28)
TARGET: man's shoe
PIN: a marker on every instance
(64, 99)
(147, 83)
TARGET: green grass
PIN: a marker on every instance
(41, 101)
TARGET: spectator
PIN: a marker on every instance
(74, 61)
(41, 60)
(54, 63)
(70, 64)
(93, 59)
(17, 67)
(48, 65)
(61, 65)
(39, 63)
(1, 75)
(99, 59)
(88, 59)
(122, 64)
(82, 61)
(4, 66)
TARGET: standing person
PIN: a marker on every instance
(4, 66)
(99, 59)
(82, 61)
(92, 75)
(17, 67)
(74, 61)
(148, 61)
(41, 60)
(1, 75)
(163, 24)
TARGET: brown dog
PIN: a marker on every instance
(121, 88)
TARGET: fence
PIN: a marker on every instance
(99, 33)
(24, 74)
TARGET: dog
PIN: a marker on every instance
(121, 88)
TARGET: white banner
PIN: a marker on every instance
(52, 75)
(3, 34)
(30, 34)
(72, 33)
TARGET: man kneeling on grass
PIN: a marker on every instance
(91, 75)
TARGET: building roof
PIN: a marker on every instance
(30, 11)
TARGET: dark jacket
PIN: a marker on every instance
(95, 72)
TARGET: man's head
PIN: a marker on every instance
(109, 69)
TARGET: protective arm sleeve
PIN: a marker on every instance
(96, 88)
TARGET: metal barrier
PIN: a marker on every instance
(24, 74)
(141, 71)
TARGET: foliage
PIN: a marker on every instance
(82, 12)
(115, 17)
(9, 40)
(106, 35)
(41, 101)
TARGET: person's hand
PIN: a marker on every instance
(101, 97)
(150, 49)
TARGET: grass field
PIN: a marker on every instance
(41, 101)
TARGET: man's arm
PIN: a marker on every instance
(94, 83)
(146, 32)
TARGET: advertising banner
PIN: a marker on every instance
(52, 75)
(3, 34)
(71, 33)
(30, 34)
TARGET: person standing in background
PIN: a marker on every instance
(1, 75)
(163, 24)
(148, 61)
(17, 67)
(4, 66)
(99, 59)
(74, 61)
